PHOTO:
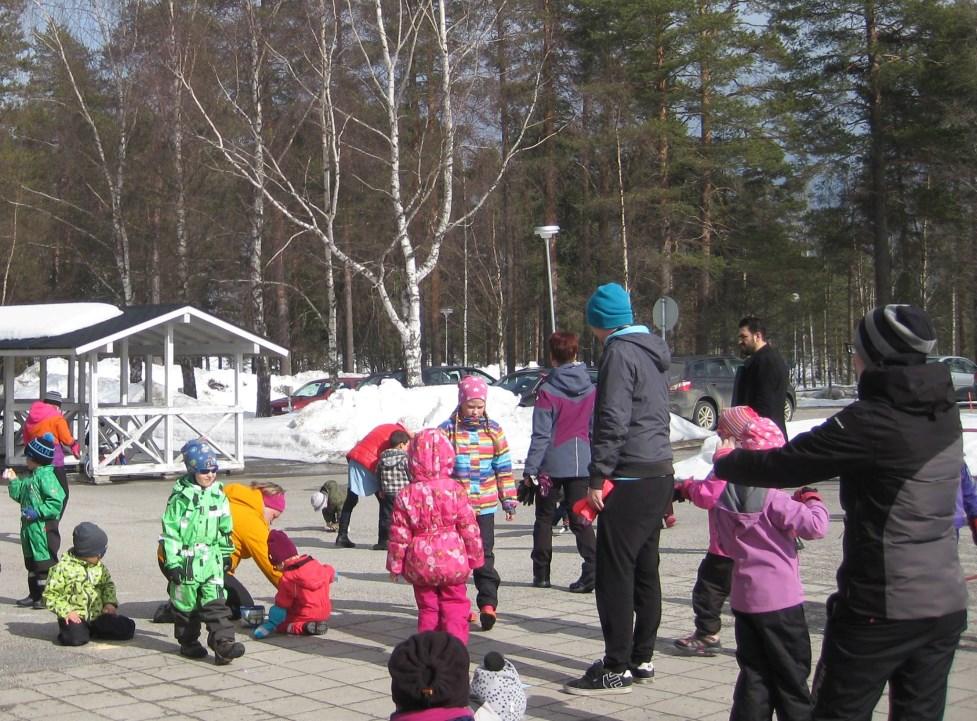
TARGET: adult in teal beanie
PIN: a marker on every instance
(609, 307)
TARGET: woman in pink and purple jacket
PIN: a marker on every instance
(434, 540)
(757, 528)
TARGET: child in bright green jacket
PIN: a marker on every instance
(197, 551)
(80, 592)
(41, 500)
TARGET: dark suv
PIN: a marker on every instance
(701, 386)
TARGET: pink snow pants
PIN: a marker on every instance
(443, 608)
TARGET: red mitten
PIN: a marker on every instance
(680, 493)
(973, 528)
(805, 494)
(583, 508)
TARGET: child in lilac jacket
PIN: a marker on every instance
(434, 539)
(756, 527)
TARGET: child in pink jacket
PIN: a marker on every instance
(757, 527)
(434, 539)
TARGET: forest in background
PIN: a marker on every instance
(334, 173)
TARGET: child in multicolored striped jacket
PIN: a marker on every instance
(483, 464)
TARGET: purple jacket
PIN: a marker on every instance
(756, 528)
(966, 499)
(562, 420)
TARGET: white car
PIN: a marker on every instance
(964, 374)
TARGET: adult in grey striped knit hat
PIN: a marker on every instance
(895, 335)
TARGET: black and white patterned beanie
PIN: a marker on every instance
(895, 335)
(496, 684)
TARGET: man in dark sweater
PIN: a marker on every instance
(901, 603)
(630, 454)
(761, 383)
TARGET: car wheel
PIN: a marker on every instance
(788, 410)
(704, 415)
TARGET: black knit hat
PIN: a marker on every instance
(429, 670)
(895, 335)
(88, 540)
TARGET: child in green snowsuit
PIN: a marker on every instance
(197, 551)
(81, 593)
(41, 500)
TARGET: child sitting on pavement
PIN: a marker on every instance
(434, 538)
(80, 592)
(394, 477)
(41, 500)
(197, 551)
(429, 678)
(302, 604)
(757, 528)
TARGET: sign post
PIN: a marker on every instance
(664, 315)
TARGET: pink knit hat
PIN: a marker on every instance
(430, 456)
(472, 388)
(274, 501)
(752, 431)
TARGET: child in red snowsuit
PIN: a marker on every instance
(434, 538)
(302, 604)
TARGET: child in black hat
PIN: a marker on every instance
(429, 678)
(80, 592)
(41, 500)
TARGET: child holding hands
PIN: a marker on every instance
(80, 592)
(434, 539)
(302, 604)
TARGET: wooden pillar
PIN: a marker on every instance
(238, 411)
(168, 391)
(91, 389)
(9, 380)
(42, 362)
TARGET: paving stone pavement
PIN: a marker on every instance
(551, 635)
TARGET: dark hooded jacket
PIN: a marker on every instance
(562, 418)
(898, 451)
(631, 421)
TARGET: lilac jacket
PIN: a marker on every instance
(756, 527)
(562, 420)
(966, 499)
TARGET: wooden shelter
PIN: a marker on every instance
(135, 438)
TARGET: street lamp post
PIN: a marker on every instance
(546, 232)
(446, 312)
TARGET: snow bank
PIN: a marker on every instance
(51, 319)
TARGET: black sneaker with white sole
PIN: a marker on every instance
(642, 672)
(599, 681)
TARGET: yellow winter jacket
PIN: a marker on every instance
(250, 534)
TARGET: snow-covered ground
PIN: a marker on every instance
(326, 430)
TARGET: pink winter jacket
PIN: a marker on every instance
(434, 539)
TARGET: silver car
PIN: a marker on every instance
(963, 372)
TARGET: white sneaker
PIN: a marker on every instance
(643, 673)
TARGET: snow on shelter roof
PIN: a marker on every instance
(27, 330)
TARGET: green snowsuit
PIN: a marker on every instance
(79, 586)
(42, 492)
(197, 539)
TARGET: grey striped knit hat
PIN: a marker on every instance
(895, 335)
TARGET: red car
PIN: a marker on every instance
(317, 390)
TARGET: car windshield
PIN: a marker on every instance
(314, 388)
(516, 381)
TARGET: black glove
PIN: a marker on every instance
(526, 493)
(227, 564)
(174, 574)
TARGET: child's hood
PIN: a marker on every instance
(41, 411)
(307, 573)
(393, 457)
(431, 456)
(744, 504)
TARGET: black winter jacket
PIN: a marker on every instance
(761, 383)
(630, 438)
(898, 450)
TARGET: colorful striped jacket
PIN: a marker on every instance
(482, 462)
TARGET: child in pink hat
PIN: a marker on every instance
(484, 468)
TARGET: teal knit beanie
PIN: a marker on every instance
(609, 307)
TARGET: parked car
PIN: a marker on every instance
(433, 376)
(317, 390)
(964, 374)
(699, 387)
(525, 383)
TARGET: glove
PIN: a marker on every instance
(973, 528)
(805, 494)
(526, 493)
(29, 514)
(680, 493)
(721, 453)
(174, 574)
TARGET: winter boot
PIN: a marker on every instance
(541, 576)
(315, 628)
(193, 649)
(226, 651)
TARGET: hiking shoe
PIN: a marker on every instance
(343, 541)
(598, 681)
(487, 617)
(25, 602)
(380, 546)
(193, 650)
(226, 651)
(315, 628)
(643, 672)
(581, 586)
(699, 645)
(39, 605)
(163, 614)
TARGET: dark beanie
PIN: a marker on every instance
(895, 335)
(280, 547)
(41, 449)
(429, 670)
(88, 540)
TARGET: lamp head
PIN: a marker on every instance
(546, 231)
